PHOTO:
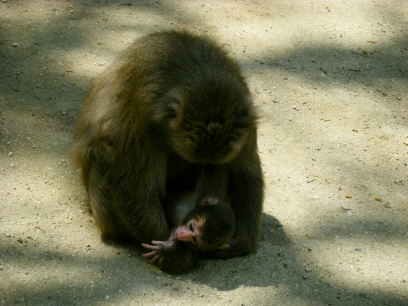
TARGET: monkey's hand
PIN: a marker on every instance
(170, 256)
(158, 250)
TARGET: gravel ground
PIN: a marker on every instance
(330, 81)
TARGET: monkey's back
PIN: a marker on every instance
(155, 63)
(124, 95)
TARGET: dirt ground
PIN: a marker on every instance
(330, 79)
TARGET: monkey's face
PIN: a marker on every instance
(195, 231)
(191, 231)
(202, 135)
(208, 227)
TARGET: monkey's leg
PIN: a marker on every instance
(145, 221)
(137, 193)
(246, 192)
(100, 202)
(125, 195)
(120, 218)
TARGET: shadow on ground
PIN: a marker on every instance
(92, 279)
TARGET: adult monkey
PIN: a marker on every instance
(170, 105)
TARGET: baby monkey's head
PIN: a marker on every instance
(209, 226)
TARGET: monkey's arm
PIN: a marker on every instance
(138, 187)
(212, 183)
(245, 190)
(125, 193)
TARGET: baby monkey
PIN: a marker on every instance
(203, 225)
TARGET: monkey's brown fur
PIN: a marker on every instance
(171, 103)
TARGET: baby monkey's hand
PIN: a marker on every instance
(158, 249)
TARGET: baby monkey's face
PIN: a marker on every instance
(194, 232)
(208, 227)
(191, 231)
